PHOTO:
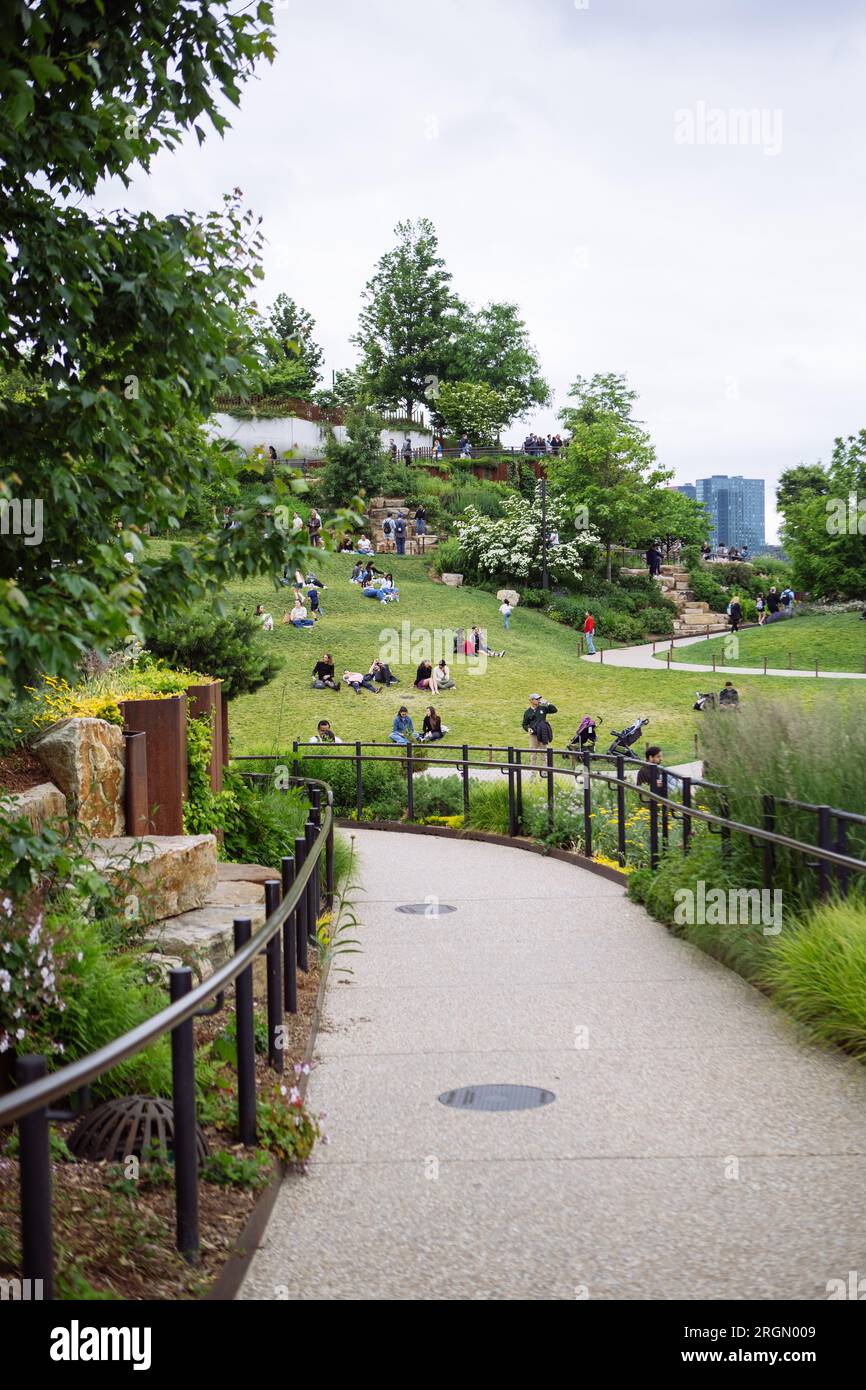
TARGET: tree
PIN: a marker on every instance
(293, 356)
(124, 325)
(475, 409)
(354, 466)
(671, 516)
(229, 647)
(492, 347)
(608, 468)
(346, 389)
(407, 322)
(824, 527)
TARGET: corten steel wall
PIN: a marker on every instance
(135, 785)
(207, 699)
(164, 722)
(224, 727)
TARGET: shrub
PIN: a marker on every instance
(450, 558)
(488, 807)
(619, 627)
(657, 621)
(229, 648)
(534, 598)
(818, 972)
(438, 796)
(706, 590)
(384, 785)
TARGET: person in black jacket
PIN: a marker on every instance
(735, 612)
(536, 724)
(323, 674)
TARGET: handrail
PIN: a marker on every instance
(84, 1070)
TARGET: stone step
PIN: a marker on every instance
(204, 937)
(167, 874)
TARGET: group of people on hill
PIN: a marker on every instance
(535, 444)
(373, 583)
(722, 552)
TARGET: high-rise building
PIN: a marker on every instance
(688, 490)
(736, 507)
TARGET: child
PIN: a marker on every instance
(505, 610)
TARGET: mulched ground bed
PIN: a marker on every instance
(115, 1239)
(20, 770)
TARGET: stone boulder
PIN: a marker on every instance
(41, 804)
(454, 581)
(511, 595)
(86, 760)
(164, 875)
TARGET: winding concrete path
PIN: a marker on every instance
(648, 658)
(697, 1148)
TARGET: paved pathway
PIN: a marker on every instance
(697, 1148)
(644, 657)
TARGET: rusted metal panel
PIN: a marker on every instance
(207, 700)
(135, 785)
(225, 731)
(164, 723)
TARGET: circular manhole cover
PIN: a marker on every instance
(505, 1097)
(431, 909)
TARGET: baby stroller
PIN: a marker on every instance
(704, 700)
(584, 740)
(622, 742)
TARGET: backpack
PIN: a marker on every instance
(387, 527)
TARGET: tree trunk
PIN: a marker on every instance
(608, 561)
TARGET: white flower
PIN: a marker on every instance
(129, 557)
(20, 1034)
(7, 906)
(33, 937)
(5, 981)
(4, 1043)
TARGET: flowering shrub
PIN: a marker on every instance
(30, 960)
(100, 696)
(511, 545)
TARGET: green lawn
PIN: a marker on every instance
(485, 708)
(836, 640)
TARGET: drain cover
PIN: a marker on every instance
(431, 909)
(497, 1097)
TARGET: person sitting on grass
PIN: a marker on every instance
(381, 672)
(443, 677)
(402, 730)
(480, 643)
(391, 589)
(266, 619)
(299, 617)
(432, 728)
(365, 545)
(324, 733)
(426, 678)
(323, 674)
(357, 572)
(729, 698)
(359, 681)
(376, 591)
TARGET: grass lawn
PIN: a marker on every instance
(485, 708)
(836, 640)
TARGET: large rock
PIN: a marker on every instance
(454, 581)
(41, 804)
(164, 874)
(511, 595)
(86, 760)
(204, 937)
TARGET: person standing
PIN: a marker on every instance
(420, 520)
(392, 450)
(735, 613)
(314, 527)
(388, 530)
(400, 533)
(536, 724)
(773, 604)
(762, 610)
(787, 597)
(407, 451)
(505, 610)
(589, 632)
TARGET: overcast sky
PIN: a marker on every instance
(583, 162)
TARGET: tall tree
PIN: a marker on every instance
(293, 357)
(407, 320)
(608, 469)
(124, 324)
(354, 466)
(493, 347)
(796, 484)
(824, 527)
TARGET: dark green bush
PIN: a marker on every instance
(384, 785)
(230, 648)
(438, 796)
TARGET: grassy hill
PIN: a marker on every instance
(486, 707)
(836, 640)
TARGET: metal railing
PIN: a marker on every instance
(827, 853)
(292, 905)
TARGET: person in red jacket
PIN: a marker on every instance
(588, 631)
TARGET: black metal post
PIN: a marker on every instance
(274, 980)
(620, 810)
(654, 832)
(687, 820)
(246, 1044)
(183, 1107)
(465, 775)
(410, 783)
(301, 913)
(512, 808)
(587, 806)
(290, 944)
(824, 841)
(842, 848)
(518, 777)
(725, 811)
(769, 820)
(316, 818)
(34, 1164)
(359, 781)
(665, 818)
(296, 766)
(549, 761)
(330, 886)
(310, 834)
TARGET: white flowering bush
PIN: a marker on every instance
(510, 545)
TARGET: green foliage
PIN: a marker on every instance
(817, 972)
(250, 1172)
(475, 409)
(705, 589)
(823, 533)
(229, 646)
(294, 358)
(384, 785)
(492, 347)
(357, 465)
(438, 796)
(123, 324)
(488, 807)
(285, 1126)
(450, 559)
(510, 546)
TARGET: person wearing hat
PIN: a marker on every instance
(535, 723)
(400, 533)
